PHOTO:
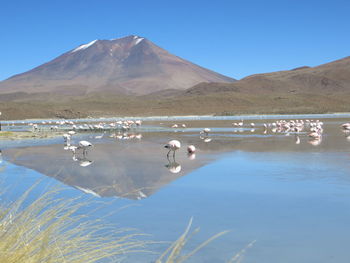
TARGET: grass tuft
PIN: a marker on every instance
(49, 230)
(174, 254)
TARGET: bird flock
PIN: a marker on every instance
(313, 129)
(127, 129)
(118, 129)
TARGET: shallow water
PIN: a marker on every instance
(293, 199)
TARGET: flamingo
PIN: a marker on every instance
(72, 148)
(172, 145)
(84, 145)
(205, 131)
(346, 126)
(191, 149)
(66, 138)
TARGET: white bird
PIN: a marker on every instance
(100, 136)
(84, 145)
(205, 131)
(72, 148)
(346, 126)
(173, 145)
(191, 149)
(66, 137)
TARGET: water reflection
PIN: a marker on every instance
(130, 169)
(134, 168)
(315, 142)
(126, 136)
(173, 166)
(205, 138)
(191, 156)
(82, 160)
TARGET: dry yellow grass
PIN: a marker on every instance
(48, 230)
(175, 252)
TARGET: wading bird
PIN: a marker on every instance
(172, 145)
(84, 145)
(205, 131)
(191, 149)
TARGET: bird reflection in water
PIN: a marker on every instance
(191, 156)
(315, 142)
(205, 138)
(80, 156)
(191, 149)
(126, 136)
(347, 135)
(173, 166)
(83, 161)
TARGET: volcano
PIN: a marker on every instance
(130, 65)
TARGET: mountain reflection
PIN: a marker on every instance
(135, 166)
(129, 169)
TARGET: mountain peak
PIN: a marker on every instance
(84, 46)
(129, 65)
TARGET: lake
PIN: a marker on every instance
(285, 191)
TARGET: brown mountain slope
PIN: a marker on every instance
(321, 89)
(326, 79)
(129, 65)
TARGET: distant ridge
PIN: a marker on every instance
(130, 65)
(329, 78)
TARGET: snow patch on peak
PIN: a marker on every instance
(138, 40)
(136, 37)
(85, 46)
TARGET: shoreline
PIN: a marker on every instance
(27, 135)
(187, 117)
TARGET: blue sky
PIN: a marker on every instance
(235, 38)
